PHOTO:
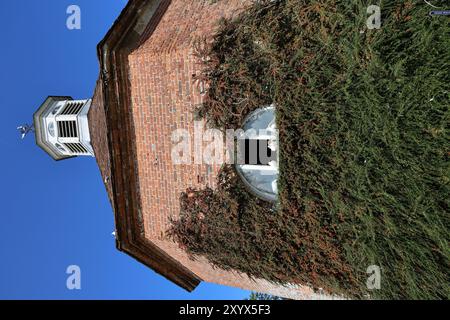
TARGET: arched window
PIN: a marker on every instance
(257, 153)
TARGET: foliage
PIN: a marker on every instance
(263, 296)
(364, 162)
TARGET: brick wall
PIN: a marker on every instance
(163, 97)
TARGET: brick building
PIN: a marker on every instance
(146, 90)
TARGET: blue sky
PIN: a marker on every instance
(56, 214)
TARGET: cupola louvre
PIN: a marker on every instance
(76, 147)
(67, 129)
(72, 108)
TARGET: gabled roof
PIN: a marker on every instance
(99, 137)
(38, 117)
(134, 25)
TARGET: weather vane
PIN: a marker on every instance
(25, 129)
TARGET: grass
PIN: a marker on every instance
(363, 117)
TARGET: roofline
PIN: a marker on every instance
(127, 32)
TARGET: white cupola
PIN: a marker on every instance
(61, 127)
